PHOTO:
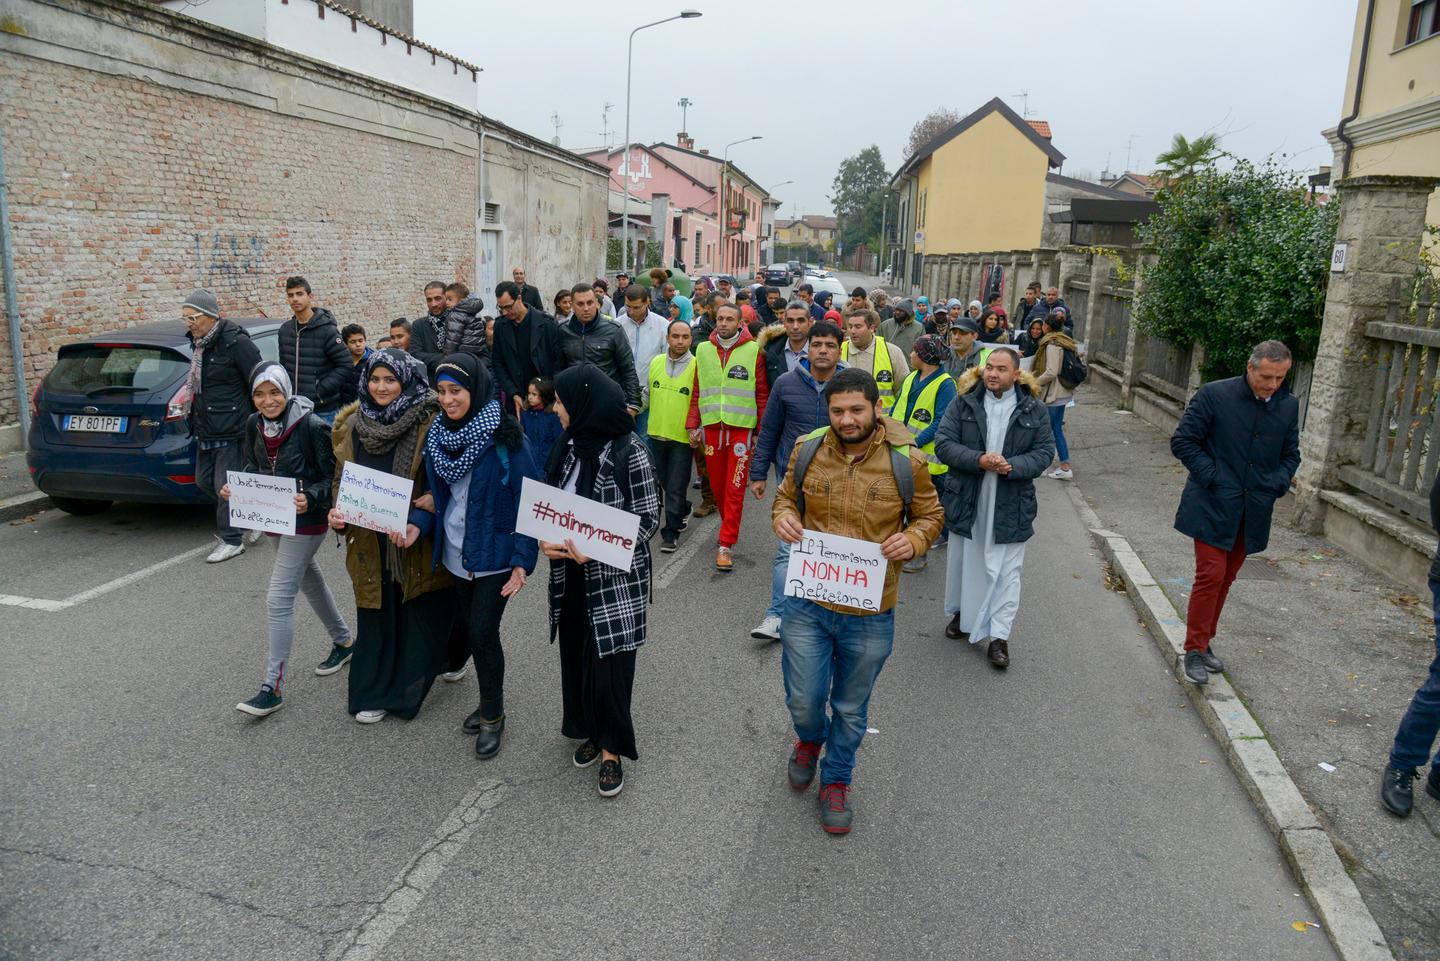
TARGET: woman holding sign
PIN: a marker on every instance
(476, 459)
(404, 601)
(284, 438)
(598, 612)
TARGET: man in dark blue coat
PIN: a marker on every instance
(1240, 440)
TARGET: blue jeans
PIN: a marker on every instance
(826, 656)
(1057, 427)
(642, 423)
(1416, 737)
(777, 581)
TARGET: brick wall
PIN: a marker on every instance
(125, 195)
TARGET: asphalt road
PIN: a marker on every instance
(1072, 807)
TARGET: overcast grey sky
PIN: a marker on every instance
(822, 81)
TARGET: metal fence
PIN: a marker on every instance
(1402, 436)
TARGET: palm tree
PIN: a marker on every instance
(1186, 158)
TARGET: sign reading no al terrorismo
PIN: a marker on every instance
(374, 499)
(836, 570)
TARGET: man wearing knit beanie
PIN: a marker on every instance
(221, 358)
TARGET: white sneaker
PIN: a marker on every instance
(370, 717)
(1061, 474)
(224, 551)
(768, 629)
(253, 537)
(453, 676)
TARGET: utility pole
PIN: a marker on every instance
(684, 105)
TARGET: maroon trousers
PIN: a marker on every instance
(1215, 571)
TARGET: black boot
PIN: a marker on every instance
(1397, 792)
(473, 721)
(952, 630)
(487, 741)
(1432, 783)
(999, 653)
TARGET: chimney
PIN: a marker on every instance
(684, 141)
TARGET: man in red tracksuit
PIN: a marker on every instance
(725, 407)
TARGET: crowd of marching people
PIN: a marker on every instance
(910, 425)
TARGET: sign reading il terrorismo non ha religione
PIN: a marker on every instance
(606, 534)
(836, 570)
(261, 502)
(373, 499)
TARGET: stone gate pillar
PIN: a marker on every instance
(1382, 219)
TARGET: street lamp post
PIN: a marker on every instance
(629, 61)
(725, 204)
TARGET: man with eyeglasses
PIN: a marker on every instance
(526, 345)
(221, 358)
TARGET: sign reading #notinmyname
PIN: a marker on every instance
(260, 502)
(607, 534)
(373, 499)
(836, 570)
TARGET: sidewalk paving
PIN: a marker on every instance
(1324, 651)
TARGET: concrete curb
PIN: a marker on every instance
(23, 504)
(1307, 848)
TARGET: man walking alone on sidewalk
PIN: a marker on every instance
(832, 654)
(725, 405)
(996, 440)
(1240, 440)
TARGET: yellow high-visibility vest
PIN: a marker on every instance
(923, 414)
(670, 399)
(727, 396)
(883, 373)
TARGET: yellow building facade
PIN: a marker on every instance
(1391, 124)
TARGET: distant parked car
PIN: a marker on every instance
(832, 285)
(110, 421)
(713, 280)
(797, 269)
(777, 275)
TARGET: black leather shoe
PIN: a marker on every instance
(1212, 663)
(473, 721)
(999, 653)
(487, 741)
(1397, 792)
(1195, 671)
(952, 630)
(1432, 783)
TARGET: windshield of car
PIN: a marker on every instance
(89, 368)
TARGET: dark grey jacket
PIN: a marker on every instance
(426, 342)
(1029, 447)
(220, 409)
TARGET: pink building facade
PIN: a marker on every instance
(691, 179)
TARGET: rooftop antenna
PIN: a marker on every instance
(1129, 146)
(605, 124)
(684, 105)
(555, 119)
(1024, 96)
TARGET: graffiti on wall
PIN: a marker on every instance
(222, 257)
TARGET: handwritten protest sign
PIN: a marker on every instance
(836, 570)
(373, 499)
(259, 502)
(604, 533)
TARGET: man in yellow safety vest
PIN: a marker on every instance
(863, 350)
(726, 401)
(920, 404)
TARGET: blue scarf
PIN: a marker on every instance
(452, 452)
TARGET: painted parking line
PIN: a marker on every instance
(41, 604)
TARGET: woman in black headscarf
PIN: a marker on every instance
(404, 603)
(597, 612)
(477, 459)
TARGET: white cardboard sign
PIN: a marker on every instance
(607, 534)
(260, 502)
(374, 499)
(837, 570)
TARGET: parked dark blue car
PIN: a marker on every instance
(110, 421)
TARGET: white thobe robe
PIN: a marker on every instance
(983, 575)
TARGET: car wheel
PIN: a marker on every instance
(79, 506)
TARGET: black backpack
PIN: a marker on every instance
(899, 465)
(1072, 370)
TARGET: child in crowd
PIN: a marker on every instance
(539, 420)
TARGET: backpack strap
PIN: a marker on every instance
(808, 448)
(904, 479)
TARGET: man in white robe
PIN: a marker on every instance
(996, 439)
